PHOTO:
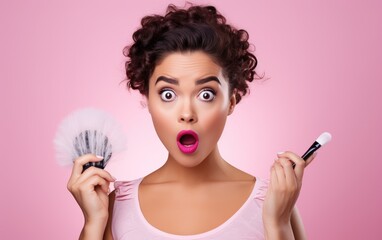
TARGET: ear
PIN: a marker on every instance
(145, 103)
(232, 103)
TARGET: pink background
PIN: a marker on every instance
(324, 64)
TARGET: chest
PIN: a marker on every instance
(186, 211)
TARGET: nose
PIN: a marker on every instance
(188, 118)
(187, 114)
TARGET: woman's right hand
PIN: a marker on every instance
(90, 189)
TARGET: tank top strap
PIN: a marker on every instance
(261, 188)
(125, 190)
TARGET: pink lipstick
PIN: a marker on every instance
(187, 141)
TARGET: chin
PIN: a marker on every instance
(188, 161)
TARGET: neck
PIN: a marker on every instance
(213, 168)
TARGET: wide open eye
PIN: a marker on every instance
(207, 95)
(167, 95)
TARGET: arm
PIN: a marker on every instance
(108, 233)
(280, 216)
(294, 230)
(89, 189)
(93, 232)
(297, 225)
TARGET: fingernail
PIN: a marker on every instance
(99, 157)
(280, 152)
(114, 178)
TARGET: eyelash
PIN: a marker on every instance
(210, 90)
(166, 90)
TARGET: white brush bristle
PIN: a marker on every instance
(324, 138)
(69, 138)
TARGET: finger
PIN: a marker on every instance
(280, 174)
(104, 187)
(95, 171)
(274, 180)
(103, 195)
(91, 183)
(80, 162)
(298, 161)
(290, 176)
(310, 159)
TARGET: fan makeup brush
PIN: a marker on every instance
(88, 131)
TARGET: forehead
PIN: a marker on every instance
(187, 65)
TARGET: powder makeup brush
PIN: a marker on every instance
(87, 131)
(323, 139)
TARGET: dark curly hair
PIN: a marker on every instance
(180, 30)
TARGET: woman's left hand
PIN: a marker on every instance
(283, 191)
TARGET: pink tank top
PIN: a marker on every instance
(128, 222)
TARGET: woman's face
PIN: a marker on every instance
(189, 103)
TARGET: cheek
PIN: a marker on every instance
(214, 121)
(157, 112)
(159, 120)
(161, 124)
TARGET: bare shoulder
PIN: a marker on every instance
(297, 225)
(108, 233)
(239, 175)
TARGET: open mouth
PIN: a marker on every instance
(187, 141)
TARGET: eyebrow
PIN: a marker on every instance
(198, 82)
(208, 79)
(168, 80)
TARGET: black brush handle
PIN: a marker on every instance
(100, 164)
(315, 146)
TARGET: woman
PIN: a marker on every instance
(193, 69)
